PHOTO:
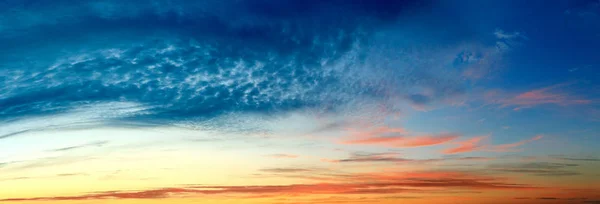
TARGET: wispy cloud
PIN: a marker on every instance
(13, 134)
(413, 141)
(537, 168)
(511, 146)
(572, 158)
(566, 200)
(475, 144)
(286, 170)
(373, 157)
(357, 184)
(92, 144)
(466, 146)
(548, 95)
(46, 162)
(43, 177)
(475, 158)
(290, 156)
(502, 35)
(394, 157)
(397, 137)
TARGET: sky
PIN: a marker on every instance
(299, 101)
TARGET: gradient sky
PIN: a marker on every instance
(299, 101)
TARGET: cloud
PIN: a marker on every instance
(474, 144)
(569, 200)
(547, 95)
(82, 116)
(502, 35)
(466, 146)
(208, 63)
(550, 173)
(43, 177)
(291, 156)
(46, 162)
(13, 134)
(355, 184)
(419, 99)
(383, 157)
(511, 146)
(394, 157)
(378, 131)
(536, 168)
(588, 159)
(373, 157)
(92, 144)
(475, 158)
(414, 141)
(149, 194)
(396, 137)
(194, 63)
(286, 170)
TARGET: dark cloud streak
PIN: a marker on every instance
(92, 144)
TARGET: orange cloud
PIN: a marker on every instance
(509, 147)
(393, 158)
(547, 95)
(330, 160)
(428, 140)
(397, 137)
(466, 146)
(364, 183)
(147, 194)
(414, 141)
(473, 144)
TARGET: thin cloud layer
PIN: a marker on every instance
(547, 95)
(396, 137)
(475, 144)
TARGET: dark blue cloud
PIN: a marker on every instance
(419, 99)
(196, 60)
(184, 59)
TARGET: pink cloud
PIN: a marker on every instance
(546, 95)
(396, 137)
(466, 146)
(428, 140)
(394, 158)
(412, 141)
(474, 144)
(511, 146)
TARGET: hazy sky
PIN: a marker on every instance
(299, 101)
